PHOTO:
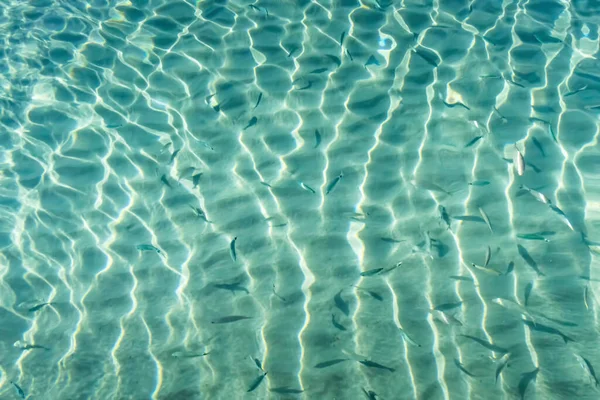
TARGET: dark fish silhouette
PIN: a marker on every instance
(525, 379)
(539, 146)
(164, 180)
(196, 179)
(233, 287)
(251, 123)
(333, 183)
(448, 306)
(337, 324)
(341, 304)
(39, 307)
(329, 363)
(473, 141)
(528, 290)
(468, 218)
(232, 249)
(317, 138)
(285, 390)
(19, 390)
(547, 329)
(258, 101)
(256, 382)
(371, 272)
(462, 368)
(372, 364)
(528, 259)
(230, 318)
(487, 344)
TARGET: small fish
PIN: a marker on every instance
(329, 363)
(371, 395)
(448, 306)
(251, 123)
(528, 289)
(341, 304)
(349, 55)
(292, 50)
(228, 319)
(184, 354)
(371, 272)
(528, 259)
(257, 363)
(39, 307)
(519, 162)
(317, 138)
(514, 83)
(173, 156)
(535, 326)
(432, 187)
(488, 256)
(256, 383)
(468, 218)
(502, 117)
(538, 196)
(319, 70)
(306, 187)
(446, 318)
(333, 183)
(539, 146)
(585, 297)
(164, 180)
(199, 213)
(337, 324)
(532, 236)
(444, 215)
(391, 240)
(232, 249)
(342, 36)
(336, 60)
(19, 390)
(32, 347)
(487, 344)
(501, 365)
(459, 104)
(510, 268)
(372, 364)
(429, 59)
(490, 271)
(278, 296)
(196, 180)
(461, 278)
(233, 287)
(189, 171)
(308, 86)
(371, 293)
(258, 101)
(562, 215)
(147, 247)
(473, 141)
(525, 379)
(462, 368)
(165, 147)
(408, 338)
(486, 219)
(581, 89)
(372, 61)
(587, 366)
(285, 390)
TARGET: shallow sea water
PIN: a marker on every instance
(196, 194)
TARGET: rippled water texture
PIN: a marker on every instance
(299, 199)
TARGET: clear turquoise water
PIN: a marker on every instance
(130, 127)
